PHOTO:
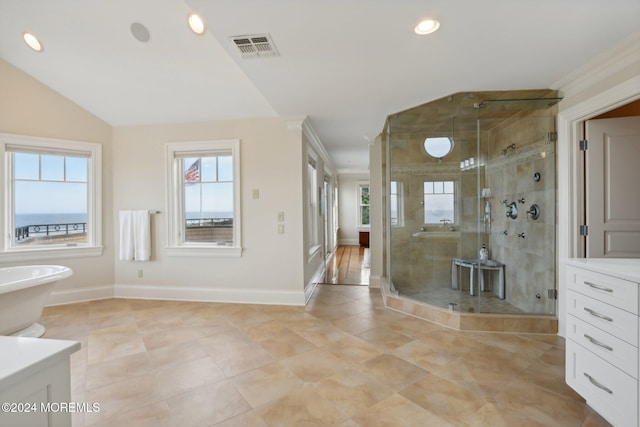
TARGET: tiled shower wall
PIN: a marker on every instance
(529, 260)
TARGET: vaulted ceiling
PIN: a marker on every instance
(345, 64)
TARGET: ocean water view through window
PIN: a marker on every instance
(52, 198)
(49, 198)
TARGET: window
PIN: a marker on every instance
(396, 204)
(312, 207)
(203, 193)
(363, 205)
(52, 201)
(439, 202)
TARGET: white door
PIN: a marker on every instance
(613, 187)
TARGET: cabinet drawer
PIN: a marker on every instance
(612, 320)
(608, 390)
(611, 290)
(619, 353)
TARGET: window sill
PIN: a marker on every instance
(209, 251)
(50, 253)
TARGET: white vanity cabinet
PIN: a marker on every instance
(602, 360)
(35, 381)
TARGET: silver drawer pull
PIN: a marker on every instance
(598, 287)
(596, 314)
(598, 343)
(597, 384)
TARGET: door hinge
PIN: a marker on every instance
(552, 293)
(584, 145)
(584, 230)
(552, 137)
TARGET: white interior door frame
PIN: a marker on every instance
(570, 172)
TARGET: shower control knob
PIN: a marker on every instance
(521, 235)
(504, 232)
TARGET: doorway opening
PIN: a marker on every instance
(349, 266)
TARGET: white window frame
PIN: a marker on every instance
(362, 184)
(313, 206)
(93, 245)
(455, 219)
(177, 246)
(399, 204)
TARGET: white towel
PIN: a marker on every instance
(141, 235)
(126, 236)
(135, 235)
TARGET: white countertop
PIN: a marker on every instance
(624, 268)
(19, 356)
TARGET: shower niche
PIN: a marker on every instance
(490, 187)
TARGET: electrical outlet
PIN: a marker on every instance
(140, 273)
(280, 228)
(280, 216)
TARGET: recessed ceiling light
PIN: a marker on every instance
(196, 24)
(427, 26)
(32, 41)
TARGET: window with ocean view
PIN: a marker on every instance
(203, 197)
(51, 200)
(439, 202)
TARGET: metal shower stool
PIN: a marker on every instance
(481, 266)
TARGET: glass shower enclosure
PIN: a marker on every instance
(471, 194)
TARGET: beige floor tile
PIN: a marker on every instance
(352, 392)
(315, 365)
(114, 342)
(234, 353)
(286, 345)
(302, 408)
(166, 357)
(266, 384)
(207, 405)
(353, 349)
(121, 397)
(384, 338)
(187, 376)
(449, 400)
(246, 419)
(393, 371)
(172, 363)
(153, 415)
(115, 370)
(397, 411)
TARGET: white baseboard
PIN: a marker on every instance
(375, 281)
(243, 296)
(70, 296)
(315, 280)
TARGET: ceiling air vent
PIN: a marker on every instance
(254, 46)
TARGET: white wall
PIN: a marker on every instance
(348, 203)
(271, 267)
(610, 80)
(27, 107)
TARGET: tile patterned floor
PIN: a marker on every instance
(343, 361)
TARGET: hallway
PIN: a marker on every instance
(349, 266)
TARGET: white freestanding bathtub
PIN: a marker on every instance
(23, 292)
